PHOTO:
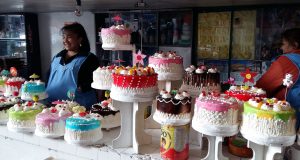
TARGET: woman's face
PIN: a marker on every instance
(71, 41)
(286, 46)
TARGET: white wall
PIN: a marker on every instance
(51, 39)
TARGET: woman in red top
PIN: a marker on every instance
(289, 62)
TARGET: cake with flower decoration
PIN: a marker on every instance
(200, 79)
(244, 93)
(51, 122)
(83, 128)
(33, 88)
(13, 86)
(168, 65)
(115, 36)
(22, 116)
(111, 115)
(215, 114)
(134, 84)
(5, 104)
(269, 121)
(102, 77)
(173, 108)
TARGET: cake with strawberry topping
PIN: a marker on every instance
(173, 108)
(13, 86)
(111, 115)
(168, 65)
(216, 115)
(83, 129)
(200, 79)
(102, 77)
(269, 121)
(115, 36)
(22, 116)
(51, 122)
(134, 84)
(5, 104)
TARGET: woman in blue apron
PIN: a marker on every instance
(72, 68)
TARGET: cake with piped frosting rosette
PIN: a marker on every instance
(83, 129)
(196, 80)
(33, 88)
(134, 84)
(22, 116)
(111, 115)
(13, 86)
(5, 104)
(173, 108)
(216, 115)
(269, 121)
(115, 36)
(102, 77)
(168, 65)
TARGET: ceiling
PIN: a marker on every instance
(40, 6)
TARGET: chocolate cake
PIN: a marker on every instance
(201, 76)
(103, 109)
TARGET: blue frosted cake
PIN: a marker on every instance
(83, 129)
(33, 88)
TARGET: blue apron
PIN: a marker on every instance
(293, 94)
(64, 78)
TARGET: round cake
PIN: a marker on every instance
(168, 65)
(3, 80)
(269, 122)
(33, 88)
(115, 36)
(83, 129)
(134, 84)
(173, 108)
(13, 86)
(51, 122)
(111, 116)
(22, 116)
(5, 104)
(200, 79)
(216, 115)
(102, 77)
(244, 93)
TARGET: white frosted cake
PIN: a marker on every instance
(13, 86)
(33, 88)
(5, 104)
(102, 77)
(115, 36)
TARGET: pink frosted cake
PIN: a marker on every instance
(215, 115)
(51, 122)
(115, 36)
(102, 77)
(13, 86)
(168, 65)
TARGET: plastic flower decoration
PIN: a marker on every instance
(138, 58)
(248, 76)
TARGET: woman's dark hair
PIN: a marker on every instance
(292, 36)
(78, 29)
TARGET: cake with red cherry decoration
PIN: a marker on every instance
(200, 79)
(168, 65)
(111, 115)
(13, 86)
(244, 93)
(173, 108)
(215, 114)
(134, 84)
(5, 104)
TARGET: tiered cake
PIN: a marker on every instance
(173, 108)
(168, 65)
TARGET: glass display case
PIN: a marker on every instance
(19, 45)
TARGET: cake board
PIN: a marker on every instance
(95, 86)
(118, 47)
(132, 124)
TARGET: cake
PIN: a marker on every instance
(244, 93)
(22, 116)
(13, 86)
(3, 80)
(115, 36)
(269, 121)
(111, 116)
(216, 115)
(33, 88)
(51, 122)
(200, 79)
(134, 84)
(168, 65)
(83, 129)
(5, 104)
(173, 108)
(102, 77)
